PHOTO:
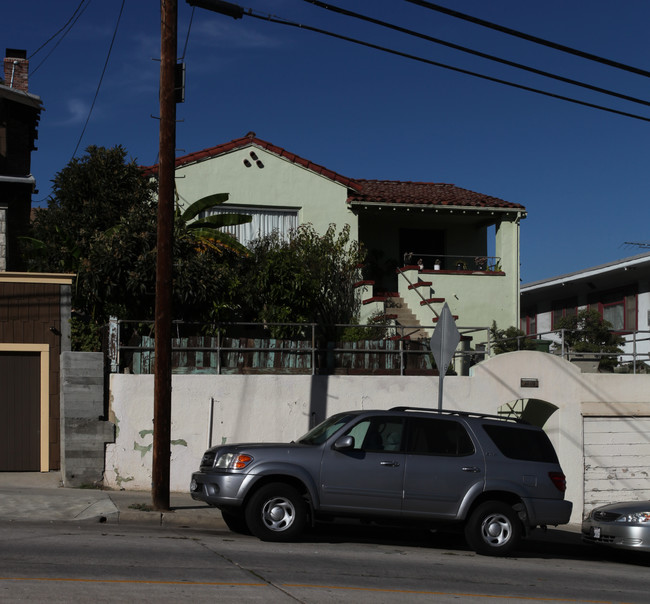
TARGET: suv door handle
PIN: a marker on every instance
(392, 464)
(470, 469)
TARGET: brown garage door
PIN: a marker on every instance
(20, 410)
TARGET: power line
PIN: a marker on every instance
(76, 10)
(187, 38)
(477, 53)
(530, 38)
(70, 23)
(277, 20)
(110, 48)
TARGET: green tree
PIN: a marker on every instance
(307, 278)
(509, 340)
(90, 195)
(119, 274)
(101, 224)
(587, 331)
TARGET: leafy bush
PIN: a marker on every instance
(587, 331)
(509, 340)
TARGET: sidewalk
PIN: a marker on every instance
(33, 496)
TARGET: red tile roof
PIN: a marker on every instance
(361, 191)
(424, 193)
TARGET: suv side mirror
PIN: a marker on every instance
(344, 443)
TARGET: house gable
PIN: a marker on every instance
(257, 174)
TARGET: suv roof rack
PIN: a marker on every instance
(502, 418)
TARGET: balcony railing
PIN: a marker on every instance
(453, 262)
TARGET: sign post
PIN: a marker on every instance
(443, 344)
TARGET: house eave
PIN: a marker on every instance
(611, 268)
(20, 180)
(436, 208)
(22, 97)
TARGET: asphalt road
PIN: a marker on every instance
(92, 562)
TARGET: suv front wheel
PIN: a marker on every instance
(493, 529)
(235, 521)
(276, 512)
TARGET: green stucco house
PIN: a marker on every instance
(468, 242)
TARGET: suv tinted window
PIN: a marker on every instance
(378, 434)
(319, 434)
(438, 437)
(527, 445)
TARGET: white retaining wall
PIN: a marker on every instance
(213, 409)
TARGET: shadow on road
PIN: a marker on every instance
(550, 544)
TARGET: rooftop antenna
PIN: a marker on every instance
(644, 245)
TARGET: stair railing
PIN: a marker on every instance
(400, 271)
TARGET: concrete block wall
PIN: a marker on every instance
(84, 431)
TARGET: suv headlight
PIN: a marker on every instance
(636, 518)
(233, 461)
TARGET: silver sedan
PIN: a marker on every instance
(624, 525)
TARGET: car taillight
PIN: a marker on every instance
(559, 480)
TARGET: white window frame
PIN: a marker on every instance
(265, 221)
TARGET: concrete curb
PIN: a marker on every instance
(170, 519)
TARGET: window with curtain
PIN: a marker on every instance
(620, 309)
(265, 221)
(614, 312)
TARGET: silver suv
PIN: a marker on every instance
(498, 478)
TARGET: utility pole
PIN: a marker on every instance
(162, 416)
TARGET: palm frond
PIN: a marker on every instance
(220, 239)
(220, 220)
(203, 204)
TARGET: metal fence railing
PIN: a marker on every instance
(301, 348)
(284, 348)
(633, 351)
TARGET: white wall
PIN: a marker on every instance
(282, 408)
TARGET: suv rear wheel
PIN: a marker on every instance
(493, 529)
(276, 512)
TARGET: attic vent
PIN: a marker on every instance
(258, 162)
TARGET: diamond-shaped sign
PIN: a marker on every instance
(443, 344)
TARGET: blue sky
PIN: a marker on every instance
(581, 173)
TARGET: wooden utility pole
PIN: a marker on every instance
(162, 416)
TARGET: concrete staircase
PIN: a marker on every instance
(406, 324)
(391, 306)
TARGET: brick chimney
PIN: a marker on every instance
(16, 69)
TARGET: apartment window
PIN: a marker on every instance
(614, 312)
(528, 323)
(265, 221)
(566, 308)
(619, 310)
